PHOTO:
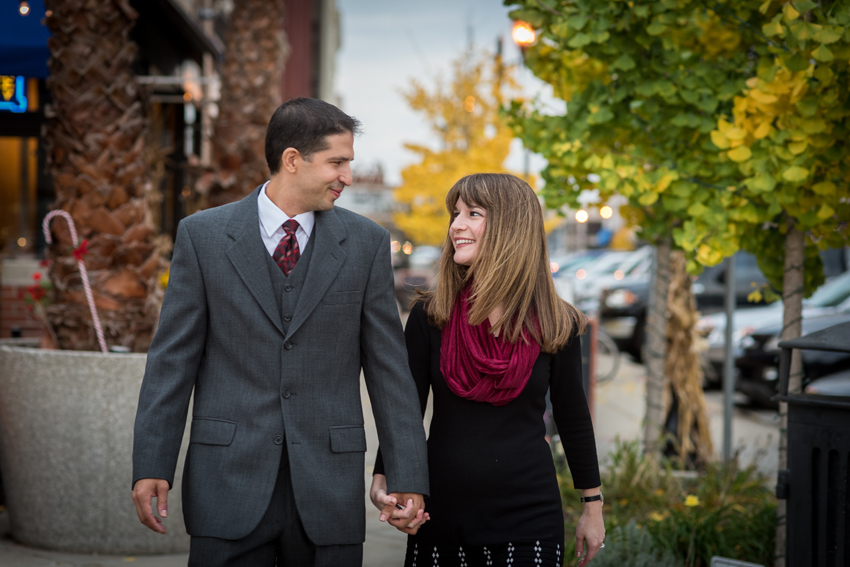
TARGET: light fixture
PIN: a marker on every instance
(606, 212)
(523, 34)
(581, 215)
(24, 8)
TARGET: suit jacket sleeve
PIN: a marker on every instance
(392, 391)
(172, 366)
(417, 336)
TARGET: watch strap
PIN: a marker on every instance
(591, 498)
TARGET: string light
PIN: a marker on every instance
(523, 34)
(24, 8)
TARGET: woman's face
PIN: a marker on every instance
(467, 231)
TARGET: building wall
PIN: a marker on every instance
(15, 277)
(298, 25)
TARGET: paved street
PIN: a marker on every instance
(618, 412)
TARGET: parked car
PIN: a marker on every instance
(837, 384)
(758, 365)
(622, 307)
(832, 297)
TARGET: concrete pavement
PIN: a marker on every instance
(618, 412)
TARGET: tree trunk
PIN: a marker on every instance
(655, 348)
(251, 76)
(792, 326)
(96, 137)
(682, 368)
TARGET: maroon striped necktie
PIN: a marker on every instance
(287, 252)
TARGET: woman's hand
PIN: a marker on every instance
(590, 532)
(402, 519)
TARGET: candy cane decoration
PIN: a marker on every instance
(83, 272)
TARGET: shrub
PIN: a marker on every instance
(724, 510)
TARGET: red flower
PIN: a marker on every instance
(44, 263)
(81, 250)
(36, 276)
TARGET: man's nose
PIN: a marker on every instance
(345, 177)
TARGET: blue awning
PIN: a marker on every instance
(23, 40)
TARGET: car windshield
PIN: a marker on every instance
(831, 293)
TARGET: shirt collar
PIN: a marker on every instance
(272, 218)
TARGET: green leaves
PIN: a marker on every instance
(709, 130)
(795, 174)
(656, 28)
(822, 53)
(623, 62)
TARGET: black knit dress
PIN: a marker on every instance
(494, 494)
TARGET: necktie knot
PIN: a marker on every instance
(290, 226)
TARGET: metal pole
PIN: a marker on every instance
(729, 362)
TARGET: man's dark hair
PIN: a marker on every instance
(304, 124)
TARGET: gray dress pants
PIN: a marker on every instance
(279, 540)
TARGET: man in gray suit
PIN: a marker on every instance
(274, 304)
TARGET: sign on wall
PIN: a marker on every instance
(13, 95)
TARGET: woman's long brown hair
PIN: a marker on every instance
(511, 267)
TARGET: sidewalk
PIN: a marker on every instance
(619, 408)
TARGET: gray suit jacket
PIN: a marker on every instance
(220, 334)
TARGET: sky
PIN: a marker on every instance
(386, 43)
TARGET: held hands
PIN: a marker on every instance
(407, 520)
(144, 491)
(590, 532)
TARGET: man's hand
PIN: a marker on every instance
(412, 516)
(144, 491)
(407, 520)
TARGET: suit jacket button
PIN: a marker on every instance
(287, 345)
(278, 439)
(286, 394)
(287, 287)
(287, 318)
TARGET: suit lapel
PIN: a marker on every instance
(248, 255)
(325, 263)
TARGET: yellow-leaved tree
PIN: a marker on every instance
(474, 138)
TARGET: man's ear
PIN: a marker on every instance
(291, 159)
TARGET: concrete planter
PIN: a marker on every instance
(66, 438)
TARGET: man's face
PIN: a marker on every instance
(322, 178)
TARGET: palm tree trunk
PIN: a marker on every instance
(792, 327)
(251, 80)
(655, 349)
(96, 137)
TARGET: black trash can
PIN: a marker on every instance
(817, 480)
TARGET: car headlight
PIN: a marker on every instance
(773, 344)
(621, 298)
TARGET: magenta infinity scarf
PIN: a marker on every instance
(480, 367)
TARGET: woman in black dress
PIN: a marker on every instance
(489, 341)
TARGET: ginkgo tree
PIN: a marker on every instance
(464, 114)
(723, 122)
(644, 83)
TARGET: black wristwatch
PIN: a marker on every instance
(592, 498)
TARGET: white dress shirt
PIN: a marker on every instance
(272, 219)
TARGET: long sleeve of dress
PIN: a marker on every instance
(417, 336)
(572, 415)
